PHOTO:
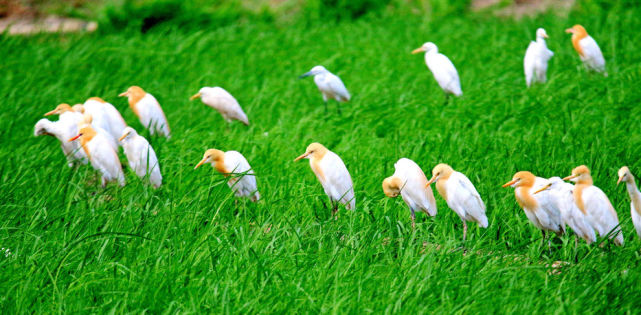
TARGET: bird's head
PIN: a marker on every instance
(426, 48)
(581, 175)
(314, 151)
(392, 186)
(541, 33)
(522, 178)
(201, 92)
(78, 108)
(133, 93)
(553, 183)
(127, 134)
(625, 175)
(440, 171)
(577, 30)
(316, 70)
(211, 156)
(87, 119)
(95, 99)
(41, 127)
(59, 110)
(86, 132)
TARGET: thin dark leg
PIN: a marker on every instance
(338, 108)
(325, 103)
(464, 230)
(413, 219)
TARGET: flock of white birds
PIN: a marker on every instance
(92, 132)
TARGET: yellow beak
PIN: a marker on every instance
(545, 36)
(304, 155)
(53, 112)
(195, 96)
(429, 182)
(418, 50)
(569, 30)
(124, 94)
(510, 183)
(123, 136)
(542, 189)
(620, 180)
(74, 138)
(201, 163)
(570, 177)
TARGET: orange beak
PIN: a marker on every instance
(570, 177)
(124, 94)
(620, 180)
(195, 96)
(53, 112)
(542, 189)
(123, 136)
(429, 182)
(545, 36)
(569, 30)
(510, 183)
(201, 163)
(417, 50)
(74, 138)
(304, 155)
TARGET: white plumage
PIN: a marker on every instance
(442, 68)
(220, 100)
(148, 110)
(535, 63)
(588, 49)
(62, 130)
(141, 156)
(102, 156)
(329, 84)
(635, 197)
(105, 116)
(233, 165)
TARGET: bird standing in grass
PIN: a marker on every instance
(220, 100)
(635, 197)
(87, 120)
(588, 49)
(537, 207)
(595, 204)
(460, 194)
(141, 156)
(115, 121)
(62, 130)
(535, 63)
(410, 182)
(148, 110)
(330, 85)
(332, 174)
(102, 156)
(442, 68)
(233, 165)
(561, 195)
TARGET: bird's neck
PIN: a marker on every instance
(525, 198)
(133, 98)
(578, 195)
(576, 39)
(314, 163)
(540, 40)
(635, 195)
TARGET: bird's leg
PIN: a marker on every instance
(543, 240)
(103, 182)
(335, 210)
(447, 99)
(338, 108)
(464, 230)
(325, 103)
(413, 219)
(576, 242)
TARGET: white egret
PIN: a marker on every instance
(141, 156)
(535, 63)
(148, 110)
(587, 48)
(102, 156)
(233, 165)
(220, 100)
(635, 197)
(329, 84)
(442, 68)
(105, 116)
(62, 130)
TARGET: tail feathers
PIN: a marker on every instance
(255, 197)
(483, 221)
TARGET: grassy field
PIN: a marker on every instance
(189, 247)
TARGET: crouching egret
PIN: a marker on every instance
(442, 68)
(410, 182)
(595, 204)
(141, 156)
(220, 100)
(332, 174)
(588, 49)
(460, 194)
(148, 110)
(329, 84)
(102, 156)
(233, 165)
(62, 130)
(635, 197)
(535, 63)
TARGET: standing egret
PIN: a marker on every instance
(329, 84)
(332, 174)
(220, 100)
(595, 204)
(141, 156)
(102, 156)
(535, 63)
(87, 119)
(442, 68)
(410, 182)
(587, 48)
(234, 165)
(460, 194)
(62, 130)
(104, 115)
(561, 194)
(635, 197)
(537, 207)
(148, 110)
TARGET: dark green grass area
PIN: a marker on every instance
(190, 247)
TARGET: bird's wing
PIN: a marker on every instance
(636, 218)
(245, 182)
(105, 158)
(116, 122)
(592, 52)
(528, 62)
(414, 188)
(230, 107)
(337, 86)
(445, 73)
(599, 208)
(470, 198)
(337, 178)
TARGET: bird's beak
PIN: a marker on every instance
(542, 188)
(51, 112)
(620, 179)
(510, 183)
(418, 50)
(545, 36)
(123, 136)
(304, 155)
(195, 96)
(570, 177)
(74, 138)
(304, 75)
(123, 94)
(569, 30)
(201, 163)
(429, 182)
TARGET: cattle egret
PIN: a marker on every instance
(460, 194)
(329, 84)
(635, 197)
(561, 194)
(62, 130)
(220, 100)
(536, 59)
(410, 182)
(587, 48)
(148, 110)
(332, 174)
(537, 207)
(234, 165)
(87, 119)
(102, 156)
(595, 204)
(105, 116)
(442, 68)
(141, 156)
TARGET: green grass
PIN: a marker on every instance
(188, 247)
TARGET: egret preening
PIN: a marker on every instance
(442, 68)
(329, 84)
(148, 110)
(141, 156)
(410, 182)
(595, 204)
(102, 156)
(587, 48)
(561, 194)
(535, 63)
(62, 130)
(635, 197)
(233, 165)
(220, 100)
(460, 194)
(537, 207)
(332, 174)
